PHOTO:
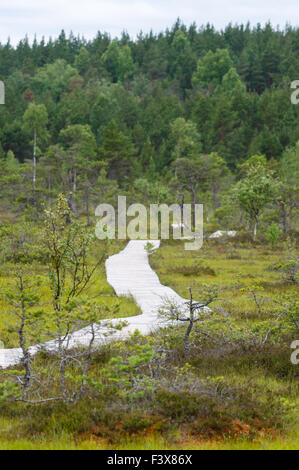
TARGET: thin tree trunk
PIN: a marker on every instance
(182, 206)
(284, 219)
(190, 326)
(34, 169)
(214, 198)
(75, 181)
(26, 355)
(88, 359)
(186, 338)
(193, 208)
(87, 203)
(70, 206)
(255, 228)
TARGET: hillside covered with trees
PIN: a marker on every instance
(111, 113)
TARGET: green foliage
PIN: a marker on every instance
(195, 270)
(212, 68)
(273, 234)
(289, 267)
(11, 163)
(54, 78)
(149, 81)
(179, 405)
(185, 115)
(35, 119)
(8, 391)
(252, 162)
(20, 243)
(291, 318)
(118, 151)
(149, 248)
(80, 139)
(118, 61)
(231, 83)
(126, 372)
(255, 191)
(185, 138)
(82, 60)
(152, 192)
(67, 245)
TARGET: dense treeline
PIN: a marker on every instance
(186, 116)
(104, 113)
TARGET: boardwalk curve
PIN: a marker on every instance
(129, 273)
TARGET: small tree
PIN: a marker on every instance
(136, 370)
(185, 138)
(35, 121)
(212, 68)
(80, 160)
(190, 173)
(255, 191)
(191, 315)
(25, 317)
(273, 234)
(289, 194)
(67, 245)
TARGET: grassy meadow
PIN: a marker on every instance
(231, 392)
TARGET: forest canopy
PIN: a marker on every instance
(105, 113)
(233, 85)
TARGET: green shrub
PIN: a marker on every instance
(273, 233)
(177, 405)
(195, 270)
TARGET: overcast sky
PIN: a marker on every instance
(86, 17)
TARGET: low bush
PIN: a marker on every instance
(195, 270)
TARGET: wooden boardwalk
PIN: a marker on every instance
(129, 273)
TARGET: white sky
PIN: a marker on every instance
(86, 17)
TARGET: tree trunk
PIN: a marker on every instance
(284, 219)
(214, 197)
(193, 208)
(34, 169)
(182, 207)
(190, 326)
(255, 227)
(87, 203)
(75, 182)
(186, 338)
(70, 206)
(26, 355)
